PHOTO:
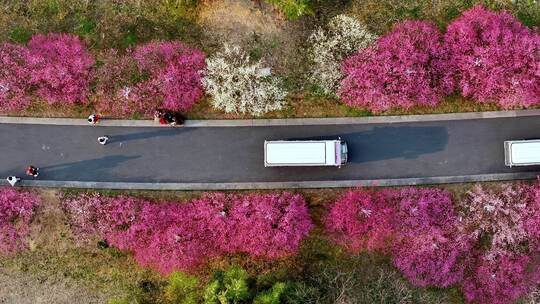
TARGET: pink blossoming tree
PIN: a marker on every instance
(174, 73)
(532, 220)
(417, 225)
(497, 59)
(116, 85)
(268, 226)
(427, 249)
(173, 236)
(14, 77)
(404, 68)
(16, 212)
(157, 74)
(360, 220)
(61, 68)
(501, 280)
(167, 237)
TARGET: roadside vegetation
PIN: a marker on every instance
(290, 58)
(473, 243)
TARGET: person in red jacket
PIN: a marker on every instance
(94, 119)
(32, 171)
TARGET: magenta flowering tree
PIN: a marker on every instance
(60, 68)
(417, 225)
(14, 77)
(427, 248)
(497, 59)
(501, 280)
(404, 68)
(183, 236)
(173, 72)
(267, 226)
(173, 236)
(430, 258)
(92, 215)
(168, 237)
(16, 212)
(153, 75)
(360, 220)
(116, 85)
(421, 208)
(84, 212)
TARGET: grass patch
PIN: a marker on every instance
(102, 23)
(380, 15)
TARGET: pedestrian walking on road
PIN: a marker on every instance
(32, 171)
(94, 119)
(13, 180)
(103, 139)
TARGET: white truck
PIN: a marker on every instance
(522, 152)
(291, 153)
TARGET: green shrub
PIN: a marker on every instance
(274, 295)
(231, 286)
(118, 301)
(293, 8)
(147, 292)
(182, 289)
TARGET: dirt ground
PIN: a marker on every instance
(256, 27)
(20, 288)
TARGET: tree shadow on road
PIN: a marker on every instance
(97, 169)
(382, 143)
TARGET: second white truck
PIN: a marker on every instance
(522, 152)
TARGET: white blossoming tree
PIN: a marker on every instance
(237, 84)
(342, 37)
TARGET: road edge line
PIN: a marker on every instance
(277, 122)
(282, 185)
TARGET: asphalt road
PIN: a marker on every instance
(235, 154)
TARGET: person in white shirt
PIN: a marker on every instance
(103, 139)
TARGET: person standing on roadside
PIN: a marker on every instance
(94, 119)
(169, 118)
(13, 180)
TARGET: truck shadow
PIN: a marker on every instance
(382, 143)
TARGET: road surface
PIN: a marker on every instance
(235, 154)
